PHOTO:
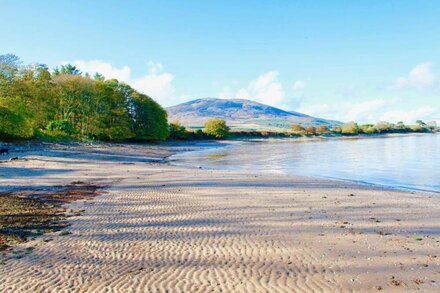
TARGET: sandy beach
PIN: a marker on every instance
(163, 228)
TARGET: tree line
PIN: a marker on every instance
(36, 103)
(353, 128)
(66, 104)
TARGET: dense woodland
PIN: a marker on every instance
(66, 104)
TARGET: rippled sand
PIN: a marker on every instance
(161, 228)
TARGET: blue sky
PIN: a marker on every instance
(346, 60)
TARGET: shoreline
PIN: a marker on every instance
(174, 160)
(335, 137)
(162, 227)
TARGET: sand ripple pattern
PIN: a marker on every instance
(178, 238)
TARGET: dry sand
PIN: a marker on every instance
(161, 228)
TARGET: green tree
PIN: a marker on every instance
(67, 69)
(9, 65)
(148, 118)
(177, 130)
(216, 128)
(69, 104)
(12, 125)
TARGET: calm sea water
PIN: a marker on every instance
(404, 161)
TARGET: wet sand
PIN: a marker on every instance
(161, 228)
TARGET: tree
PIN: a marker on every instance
(368, 129)
(350, 128)
(336, 129)
(217, 128)
(9, 65)
(322, 129)
(148, 118)
(12, 125)
(298, 129)
(311, 130)
(432, 125)
(76, 101)
(421, 123)
(177, 130)
(67, 69)
(69, 104)
(384, 127)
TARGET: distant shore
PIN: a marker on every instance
(333, 136)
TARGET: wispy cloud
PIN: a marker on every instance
(298, 85)
(372, 111)
(421, 76)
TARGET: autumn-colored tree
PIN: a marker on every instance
(311, 130)
(298, 129)
(322, 129)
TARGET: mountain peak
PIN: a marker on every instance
(239, 113)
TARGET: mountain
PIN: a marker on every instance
(240, 114)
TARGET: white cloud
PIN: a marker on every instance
(266, 89)
(299, 85)
(425, 113)
(106, 69)
(372, 111)
(419, 77)
(156, 83)
(362, 111)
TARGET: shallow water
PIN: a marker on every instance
(410, 161)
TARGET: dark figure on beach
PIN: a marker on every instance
(4, 151)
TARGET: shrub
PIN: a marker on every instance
(60, 125)
(350, 128)
(417, 128)
(311, 130)
(322, 129)
(384, 127)
(298, 129)
(336, 129)
(177, 131)
(368, 129)
(216, 128)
